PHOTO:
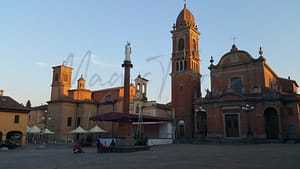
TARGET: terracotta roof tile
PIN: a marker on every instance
(9, 104)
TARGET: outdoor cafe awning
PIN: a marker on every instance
(121, 117)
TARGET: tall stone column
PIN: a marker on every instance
(125, 128)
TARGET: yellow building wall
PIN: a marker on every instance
(131, 92)
(270, 77)
(7, 124)
(80, 94)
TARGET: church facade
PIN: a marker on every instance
(70, 108)
(247, 98)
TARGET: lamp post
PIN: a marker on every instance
(45, 118)
(46, 121)
(248, 108)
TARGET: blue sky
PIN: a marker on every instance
(37, 35)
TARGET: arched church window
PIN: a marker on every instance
(181, 65)
(177, 66)
(138, 86)
(181, 44)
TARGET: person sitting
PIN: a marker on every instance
(112, 145)
(103, 148)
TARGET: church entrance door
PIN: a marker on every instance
(271, 123)
(232, 125)
(201, 124)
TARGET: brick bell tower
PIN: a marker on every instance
(61, 82)
(185, 73)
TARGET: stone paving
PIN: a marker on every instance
(175, 156)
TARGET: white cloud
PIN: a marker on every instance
(95, 61)
(42, 64)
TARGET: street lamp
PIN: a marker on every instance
(248, 108)
(46, 121)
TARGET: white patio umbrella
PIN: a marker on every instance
(97, 129)
(78, 130)
(34, 129)
(47, 131)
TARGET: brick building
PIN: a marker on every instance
(247, 99)
(70, 108)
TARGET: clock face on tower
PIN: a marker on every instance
(137, 95)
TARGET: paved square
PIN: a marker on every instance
(175, 156)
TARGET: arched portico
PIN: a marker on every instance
(271, 123)
(15, 137)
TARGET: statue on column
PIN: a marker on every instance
(127, 51)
